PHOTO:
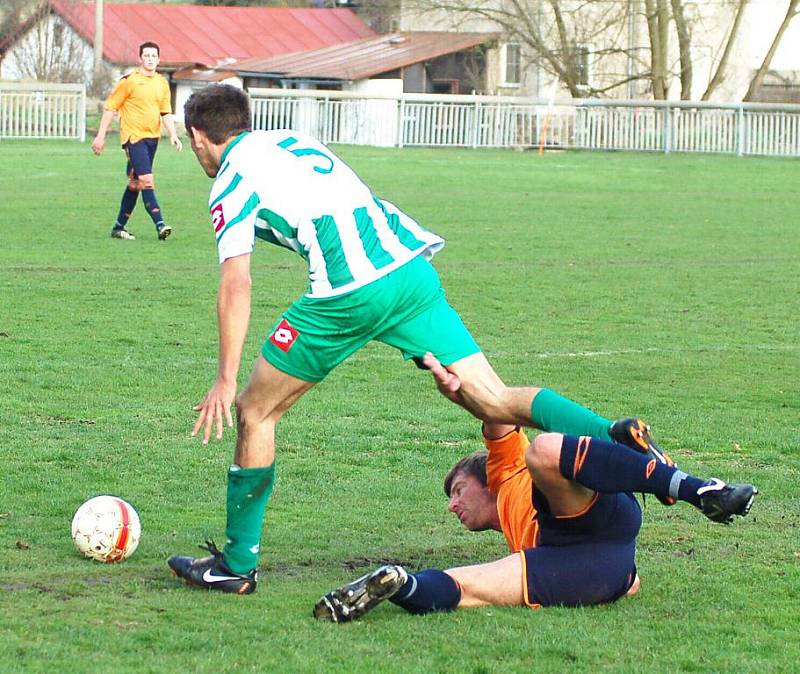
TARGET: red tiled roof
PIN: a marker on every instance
(190, 34)
(365, 58)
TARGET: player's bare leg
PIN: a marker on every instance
(564, 496)
(472, 383)
(498, 583)
(268, 395)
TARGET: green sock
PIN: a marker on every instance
(552, 412)
(248, 492)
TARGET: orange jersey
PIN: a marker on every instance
(140, 101)
(508, 477)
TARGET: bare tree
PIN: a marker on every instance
(48, 51)
(758, 79)
(657, 16)
(12, 15)
(719, 73)
(554, 32)
(684, 46)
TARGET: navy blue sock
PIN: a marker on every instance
(609, 467)
(428, 590)
(151, 204)
(126, 206)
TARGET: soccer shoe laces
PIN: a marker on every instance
(211, 547)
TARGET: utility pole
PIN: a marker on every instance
(631, 46)
(98, 41)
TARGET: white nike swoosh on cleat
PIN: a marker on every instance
(211, 578)
(715, 485)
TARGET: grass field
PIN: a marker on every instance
(664, 286)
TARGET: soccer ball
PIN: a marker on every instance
(106, 528)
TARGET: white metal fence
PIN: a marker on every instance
(42, 110)
(482, 121)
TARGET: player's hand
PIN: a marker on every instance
(98, 144)
(449, 384)
(216, 405)
(177, 143)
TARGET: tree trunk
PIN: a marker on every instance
(758, 78)
(685, 45)
(567, 50)
(657, 22)
(719, 73)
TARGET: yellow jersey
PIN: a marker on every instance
(141, 100)
(509, 478)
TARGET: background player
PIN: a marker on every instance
(142, 99)
(564, 506)
(369, 278)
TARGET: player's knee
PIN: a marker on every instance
(146, 182)
(252, 414)
(544, 453)
(133, 184)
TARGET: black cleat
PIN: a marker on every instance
(212, 572)
(163, 231)
(720, 502)
(353, 600)
(635, 433)
(122, 233)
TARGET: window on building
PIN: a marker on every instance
(58, 35)
(583, 61)
(513, 63)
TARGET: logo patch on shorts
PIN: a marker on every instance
(283, 336)
(217, 218)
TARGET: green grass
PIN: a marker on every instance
(665, 286)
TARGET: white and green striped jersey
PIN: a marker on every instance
(289, 189)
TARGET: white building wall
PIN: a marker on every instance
(52, 49)
(709, 26)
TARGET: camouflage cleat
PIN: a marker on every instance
(635, 433)
(353, 600)
(720, 502)
(212, 573)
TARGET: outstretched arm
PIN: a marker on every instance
(233, 317)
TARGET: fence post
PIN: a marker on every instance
(476, 124)
(401, 122)
(667, 130)
(740, 131)
(82, 117)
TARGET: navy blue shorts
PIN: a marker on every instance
(140, 156)
(585, 559)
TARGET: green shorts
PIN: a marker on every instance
(405, 309)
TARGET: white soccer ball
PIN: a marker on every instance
(106, 528)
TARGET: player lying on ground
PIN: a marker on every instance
(369, 279)
(566, 509)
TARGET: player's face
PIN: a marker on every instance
(202, 151)
(473, 504)
(149, 59)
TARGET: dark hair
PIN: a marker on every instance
(149, 45)
(218, 110)
(473, 464)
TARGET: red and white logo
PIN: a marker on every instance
(283, 336)
(217, 218)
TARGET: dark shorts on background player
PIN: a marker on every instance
(140, 156)
(406, 309)
(585, 559)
